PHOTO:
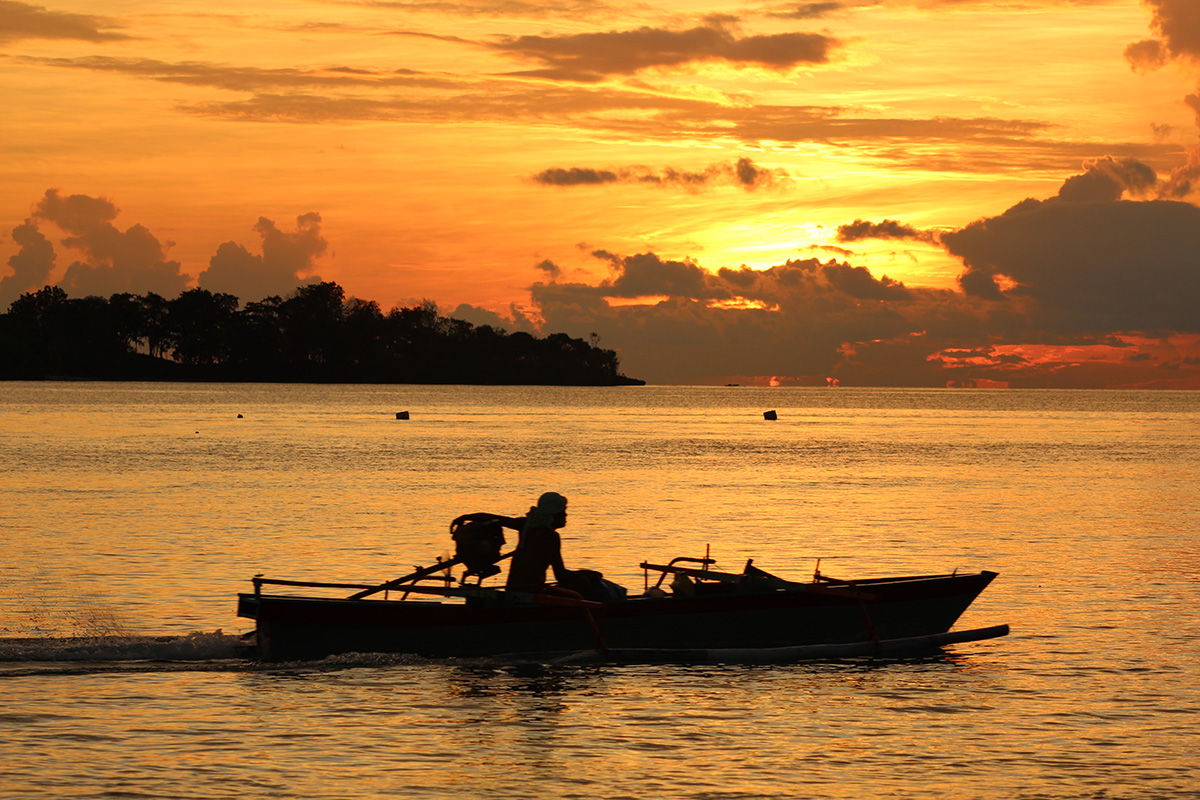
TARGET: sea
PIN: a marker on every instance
(132, 514)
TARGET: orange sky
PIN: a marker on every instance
(723, 192)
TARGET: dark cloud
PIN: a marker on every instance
(1108, 179)
(477, 315)
(132, 260)
(590, 57)
(791, 319)
(1146, 55)
(1183, 179)
(817, 123)
(683, 339)
(811, 321)
(743, 172)
(646, 275)
(887, 229)
(828, 248)
(563, 9)
(858, 282)
(309, 108)
(751, 176)
(135, 261)
(76, 213)
(980, 283)
(334, 93)
(1089, 261)
(575, 176)
(24, 21)
(1177, 23)
(245, 79)
(807, 10)
(30, 265)
(551, 269)
(286, 261)
(281, 95)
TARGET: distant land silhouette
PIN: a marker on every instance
(313, 336)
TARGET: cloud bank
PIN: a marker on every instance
(24, 21)
(887, 229)
(1092, 286)
(591, 57)
(743, 173)
(334, 93)
(1084, 288)
(133, 260)
(31, 265)
(286, 262)
(1176, 24)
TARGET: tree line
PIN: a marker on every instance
(315, 335)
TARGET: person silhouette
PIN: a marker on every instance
(539, 546)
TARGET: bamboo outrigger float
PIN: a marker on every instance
(708, 615)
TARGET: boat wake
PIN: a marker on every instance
(214, 651)
(222, 652)
(84, 654)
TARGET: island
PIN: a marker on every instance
(315, 335)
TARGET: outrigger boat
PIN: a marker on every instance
(708, 615)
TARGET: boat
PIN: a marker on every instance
(702, 614)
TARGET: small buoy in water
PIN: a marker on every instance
(239, 416)
(770, 415)
(401, 415)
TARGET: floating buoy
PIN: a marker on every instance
(401, 415)
(770, 415)
(239, 416)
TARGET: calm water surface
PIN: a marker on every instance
(132, 514)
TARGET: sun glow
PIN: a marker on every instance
(643, 300)
(743, 304)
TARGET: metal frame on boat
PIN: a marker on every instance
(709, 615)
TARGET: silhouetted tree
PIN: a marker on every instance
(156, 329)
(128, 319)
(35, 331)
(260, 342)
(312, 320)
(50, 334)
(202, 327)
(363, 324)
(316, 334)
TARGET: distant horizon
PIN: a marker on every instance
(773, 381)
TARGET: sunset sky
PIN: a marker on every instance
(885, 192)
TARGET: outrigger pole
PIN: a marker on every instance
(416, 575)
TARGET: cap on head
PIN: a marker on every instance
(552, 503)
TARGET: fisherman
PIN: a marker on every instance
(540, 548)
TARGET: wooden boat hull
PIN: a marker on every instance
(298, 628)
(886, 648)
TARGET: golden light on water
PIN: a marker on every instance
(134, 513)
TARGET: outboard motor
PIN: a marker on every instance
(477, 542)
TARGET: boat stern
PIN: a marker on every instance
(248, 606)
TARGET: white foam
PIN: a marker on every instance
(195, 646)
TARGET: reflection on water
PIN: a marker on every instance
(133, 513)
